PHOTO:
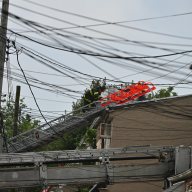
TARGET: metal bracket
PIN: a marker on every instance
(105, 161)
(43, 175)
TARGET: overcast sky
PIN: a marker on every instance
(176, 30)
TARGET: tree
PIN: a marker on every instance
(67, 141)
(162, 93)
(90, 137)
(25, 121)
(90, 95)
(71, 140)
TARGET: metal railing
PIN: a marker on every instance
(45, 133)
(93, 155)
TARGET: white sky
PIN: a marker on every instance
(111, 11)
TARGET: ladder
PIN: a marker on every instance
(46, 133)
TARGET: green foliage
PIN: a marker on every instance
(90, 95)
(84, 189)
(68, 141)
(76, 106)
(162, 93)
(25, 122)
(90, 137)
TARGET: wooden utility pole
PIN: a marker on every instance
(16, 111)
(3, 34)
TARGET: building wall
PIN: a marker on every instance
(161, 123)
(155, 123)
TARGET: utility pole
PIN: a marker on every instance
(3, 34)
(16, 111)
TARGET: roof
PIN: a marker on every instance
(146, 102)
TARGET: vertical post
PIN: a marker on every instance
(3, 34)
(16, 111)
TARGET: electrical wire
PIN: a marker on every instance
(98, 20)
(119, 24)
(70, 68)
(33, 93)
(68, 49)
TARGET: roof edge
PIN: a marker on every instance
(156, 100)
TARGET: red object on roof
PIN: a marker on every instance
(127, 94)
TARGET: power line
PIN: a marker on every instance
(137, 61)
(87, 74)
(171, 72)
(43, 99)
(115, 23)
(74, 48)
(98, 20)
(102, 55)
(158, 68)
(105, 39)
(33, 93)
(106, 22)
(46, 89)
(99, 77)
(85, 36)
(53, 74)
(57, 88)
(185, 78)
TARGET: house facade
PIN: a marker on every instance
(160, 122)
